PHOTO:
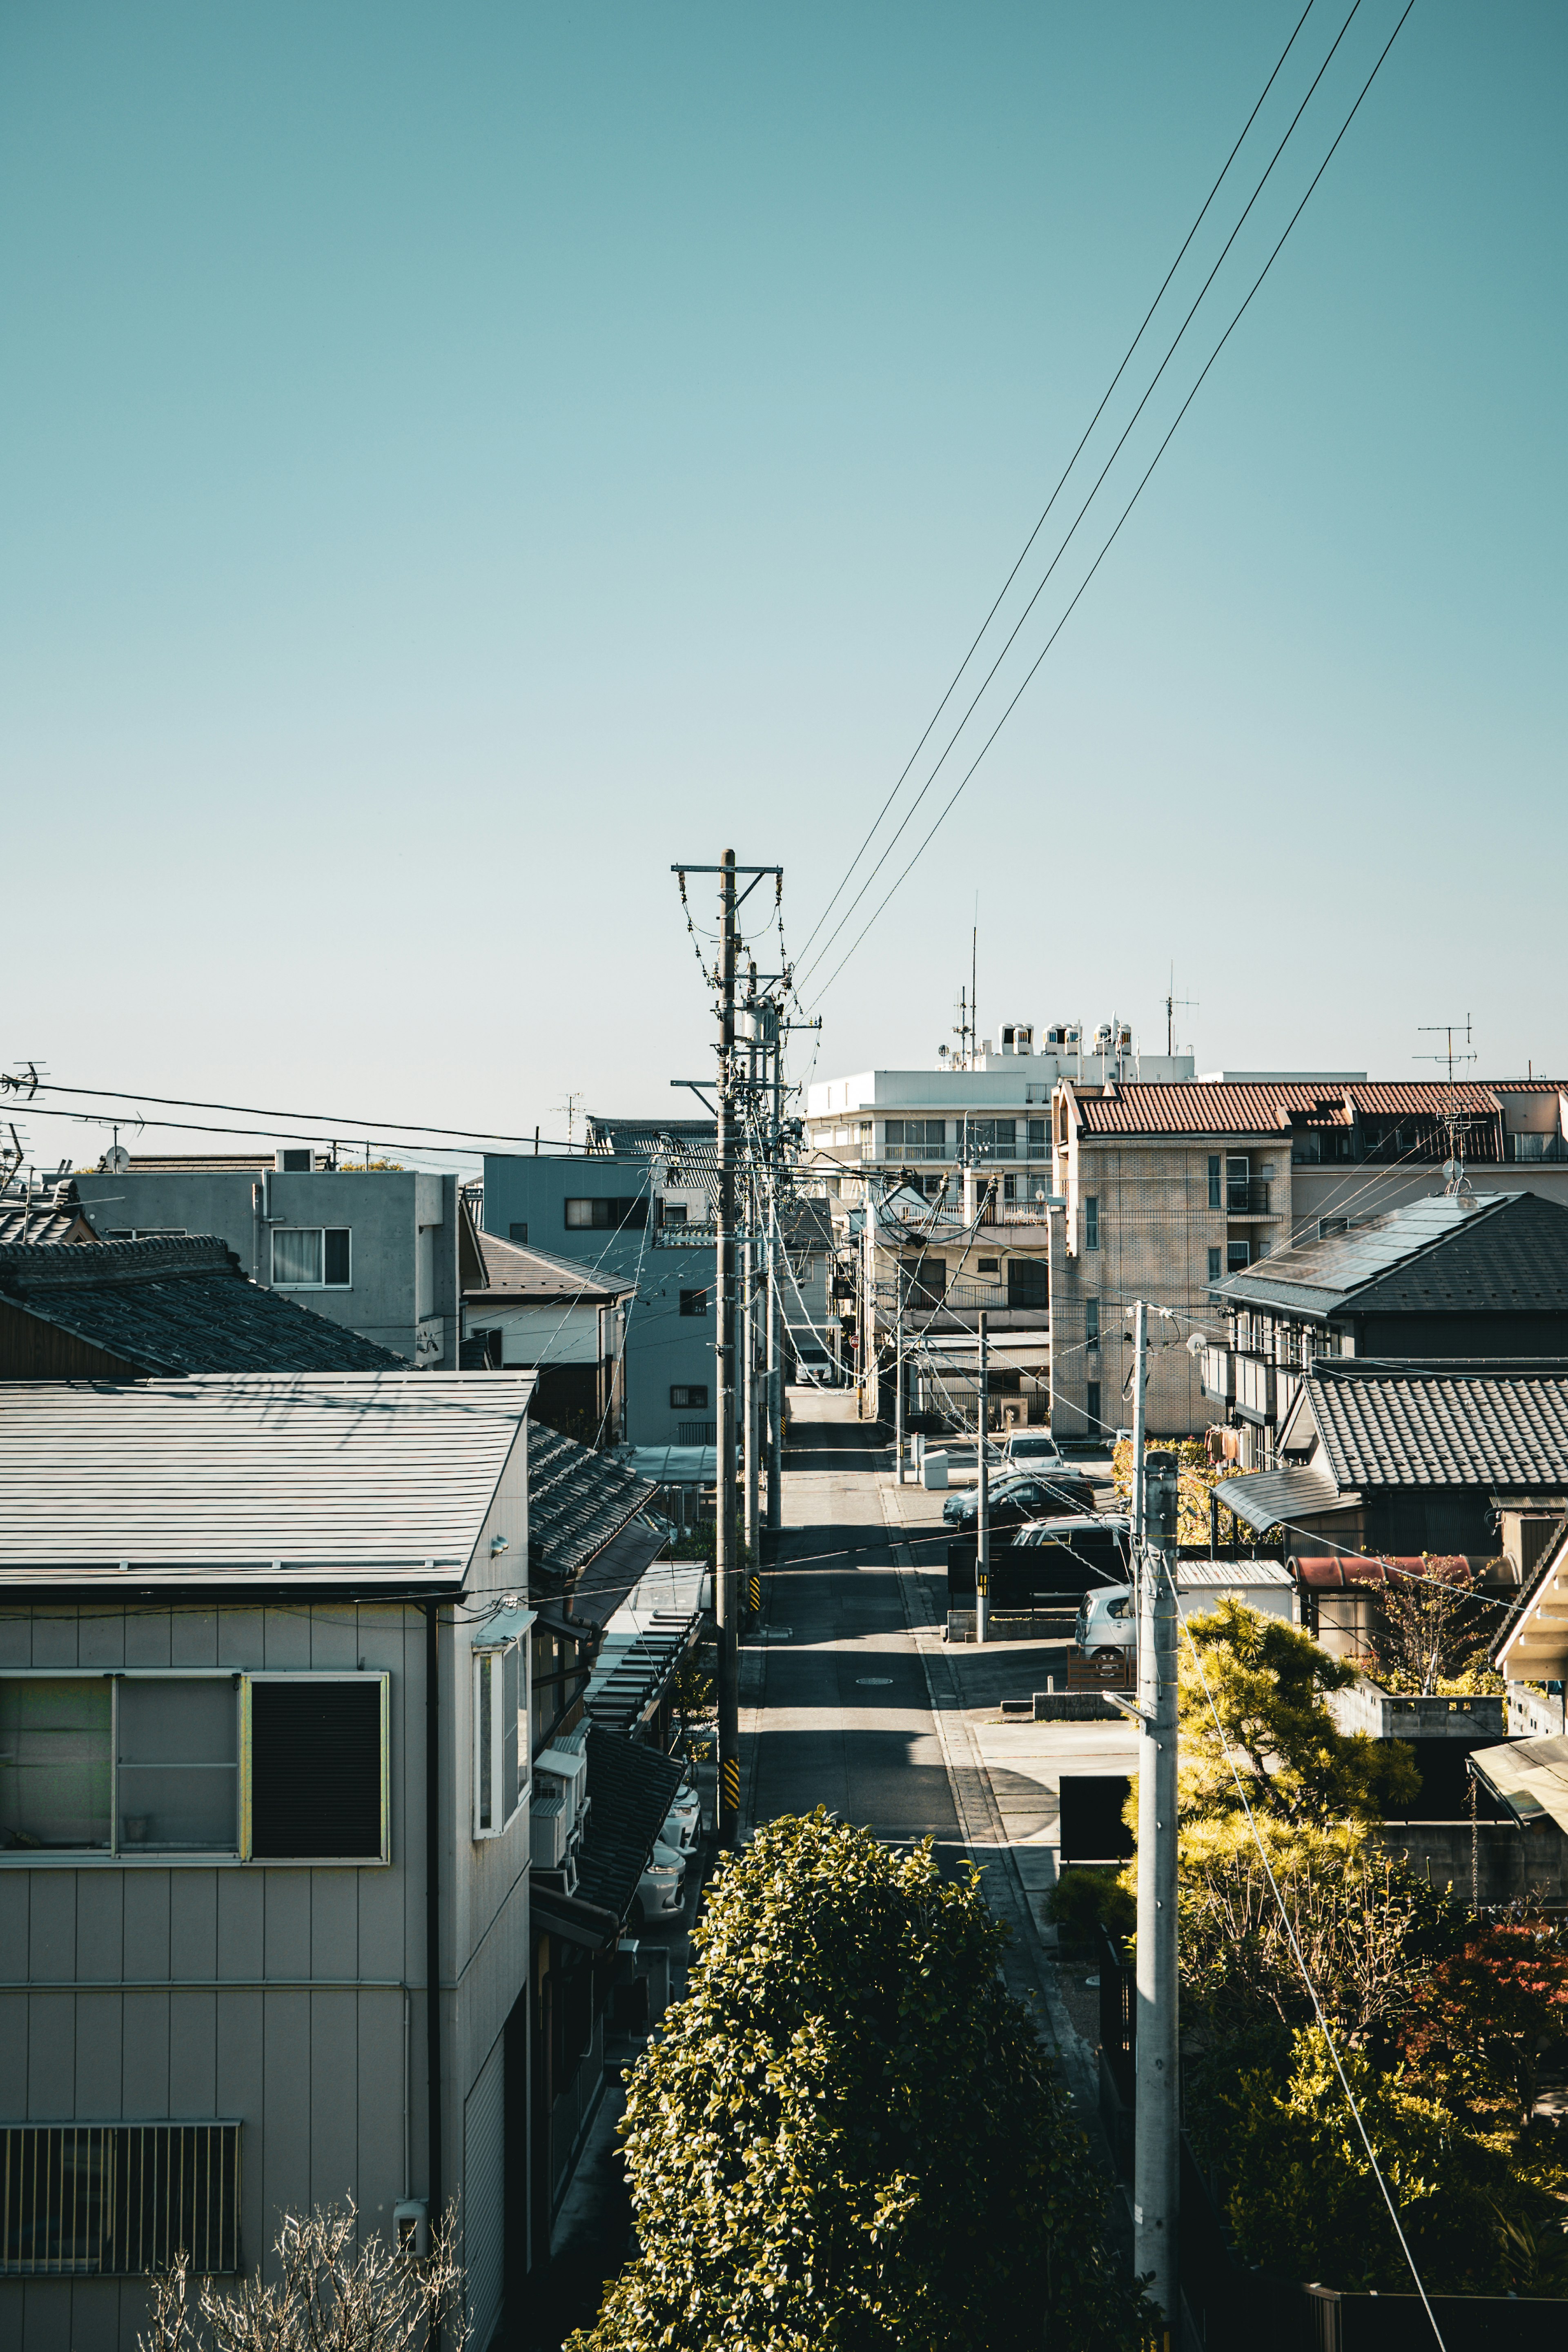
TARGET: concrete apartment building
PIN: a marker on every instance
(376, 1249)
(1169, 1187)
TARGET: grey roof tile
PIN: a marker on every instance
(1497, 1430)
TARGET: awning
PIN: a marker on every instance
(1268, 1498)
(575, 1921)
(596, 1594)
(630, 1790)
(1529, 1777)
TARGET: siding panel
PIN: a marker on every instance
(241, 1918)
(192, 2054)
(241, 2092)
(100, 2054)
(334, 2095)
(285, 2145)
(99, 1925)
(192, 1922)
(288, 1944)
(146, 2062)
(52, 1956)
(147, 1923)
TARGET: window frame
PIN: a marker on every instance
(492, 1751)
(1091, 1221)
(1091, 1322)
(1216, 1263)
(346, 1231)
(700, 1309)
(689, 1396)
(116, 1856)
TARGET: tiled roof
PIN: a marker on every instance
(43, 1213)
(1497, 1430)
(630, 1789)
(178, 1305)
(383, 1480)
(805, 1224)
(577, 1500)
(614, 1573)
(1263, 1108)
(1491, 1253)
(511, 1271)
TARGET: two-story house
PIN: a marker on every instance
(373, 1248)
(264, 1828)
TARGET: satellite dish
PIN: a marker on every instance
(117, 1161)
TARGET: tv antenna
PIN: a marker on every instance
(571, 1106)
(1455, 1121)
(1173, 1004)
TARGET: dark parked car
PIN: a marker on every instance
(1020, 1496)
(1048, 1564)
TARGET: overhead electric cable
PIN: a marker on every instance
(333, 1122)
(1066, 470)
(1126, 510)
(1061, 551)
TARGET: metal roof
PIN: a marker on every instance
(1262, 1499)
(1405, 1428)
(1316, 1277)
(1499, 1252)
(382, 1479)
(1529, 1777)
(509, 1271)
(1264, 1109)
(178, 1305)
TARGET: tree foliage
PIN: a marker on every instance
(1431, 1629)
(1487, 2014)
(334, 2291)
(1196, 1478)
(847, 2134)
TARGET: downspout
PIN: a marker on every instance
(433, 1902)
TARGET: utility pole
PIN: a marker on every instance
(749, 1272)
(982, 1493)
(898, 1371)
(725, 1596)
(1156, 2171)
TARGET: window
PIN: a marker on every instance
(689, 1397)
(1091, 1321)
(1029, 1282)
(290, 1767)
(608, 1215)
(1237, 1257)
(864, 1134)
(1092, 1395)
(517, 1233)
(311, 1257)
(916, 1138)
(314, 1787)
(1039, 1147)
(501, 1747)
(1009, 1188)
(1216, 1197)
(1236, 1188)
(117, 2199)
(675, 1212)
(694, 1302)
(992, 1138)
(1091, 1221)
(988, 1265)
(1215, 1266)
(1327, 1226)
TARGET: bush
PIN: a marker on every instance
(848, 2135)
(1080, 1899)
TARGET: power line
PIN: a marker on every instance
(1127, 509)
(1061, 551)
(331, 1122)
(1066, 470)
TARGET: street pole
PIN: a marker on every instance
(725, 1596)
(1156, 2165)
(775, 1299)
(982, 1511)
(898, 1371)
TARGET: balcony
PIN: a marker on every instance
(1246, 1200)
(1537, 1148)
(685, 1237)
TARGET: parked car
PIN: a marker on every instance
(1106, 1623)
(815, 1366)
(683, 1823)
(1019, 1496)
(660, 1889)
(1048, 1564)
(1033, 1449)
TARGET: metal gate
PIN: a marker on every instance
(484, 2197)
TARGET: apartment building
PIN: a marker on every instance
(1167, 1189)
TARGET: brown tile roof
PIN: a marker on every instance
(512, 1271)
(1263, 1108)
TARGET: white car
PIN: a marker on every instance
(1106, 1623)
(661, 1888)
(683, 1823)
(1035, 1449)
(814, 1367)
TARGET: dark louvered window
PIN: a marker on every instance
(316, 1773)
(97, 2199)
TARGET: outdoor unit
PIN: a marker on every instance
(550, 1833)
(294, 1163)
(563, 1772)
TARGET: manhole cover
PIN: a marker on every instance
(874, 1682)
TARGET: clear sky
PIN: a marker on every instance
(454, 462)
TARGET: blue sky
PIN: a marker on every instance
(453, 463)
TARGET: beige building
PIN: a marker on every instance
(1168, 1188)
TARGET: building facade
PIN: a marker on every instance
(376, 1249)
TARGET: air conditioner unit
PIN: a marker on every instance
(562, 1771)
(294, 1163)
(550, 1833)
(562, 1881)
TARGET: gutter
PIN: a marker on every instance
(432, 1902)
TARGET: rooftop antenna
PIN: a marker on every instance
(1174, 1004)
(1454, 1181)
(571, 1106)
(963, 1029)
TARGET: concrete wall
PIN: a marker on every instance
(141, 1991)
(404, 1252)
(1510, 1865)
(663, 1346)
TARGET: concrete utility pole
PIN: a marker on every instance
(1156, 2169)
(726, 1597)
(776, 1292)
(982, 1493)
(898, 1371)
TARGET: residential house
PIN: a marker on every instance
(51, 1212)
(1168, 1188)
(376, 1249)
(1451, 1279)
(524, 1307)
(805, 1225)
(130, 1310)
(639, 1223)
(264, 1782)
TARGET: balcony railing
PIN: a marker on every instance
(899, 1155)
(1539, 1146)
(685, 1237)
(1249, 1199)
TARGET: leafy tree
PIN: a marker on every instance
(1488, 2014)
(1196, 1478)
(1303, 2198)
(847, 2134)
(1267, 1685)
(1431, 1629)
(333, 2289)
